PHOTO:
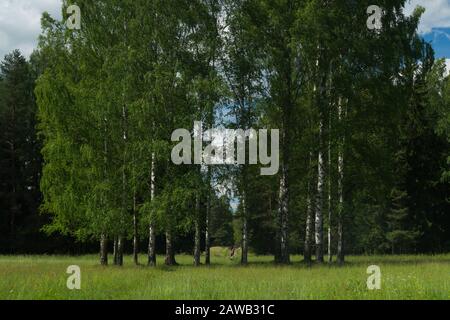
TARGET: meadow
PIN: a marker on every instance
(403, 277)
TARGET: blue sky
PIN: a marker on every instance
(440, 39)
(435, 25)
(20, 23)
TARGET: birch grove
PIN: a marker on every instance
(114, 91)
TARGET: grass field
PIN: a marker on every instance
(403, 277)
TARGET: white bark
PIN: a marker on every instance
(340, 246)
(309, 215)
(330, 203)
(244, 252)
(115, 251)
(319, 97)
(120, 244)
(319, 200)
(208, 220)
(104, 250)
(197, 231)
(283, 213)
(151, 228)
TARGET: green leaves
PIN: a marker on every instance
(113, 92)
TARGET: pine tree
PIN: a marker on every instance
(20, 161)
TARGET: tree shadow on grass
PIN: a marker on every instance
(354, 261)
(362, 261)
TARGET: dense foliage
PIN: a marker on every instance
(364, 120)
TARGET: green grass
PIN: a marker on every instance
(403, 277)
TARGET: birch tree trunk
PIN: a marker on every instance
(309, 215)
(330, 203)
(287, 107)
(103, 239)
(319, 98)
(319, 199)
(152, 246)
(135, 233)
(151, 228)
(208, 220)
(244, 251)
(170, 255)
(283, 211)
(120, 244)
(103, 250)
(340, 231)
(116, 251)
(284, 219)
(197, 248)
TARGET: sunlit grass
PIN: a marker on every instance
(403, 277)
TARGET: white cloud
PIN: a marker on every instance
(437, 14)
(20, 23)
